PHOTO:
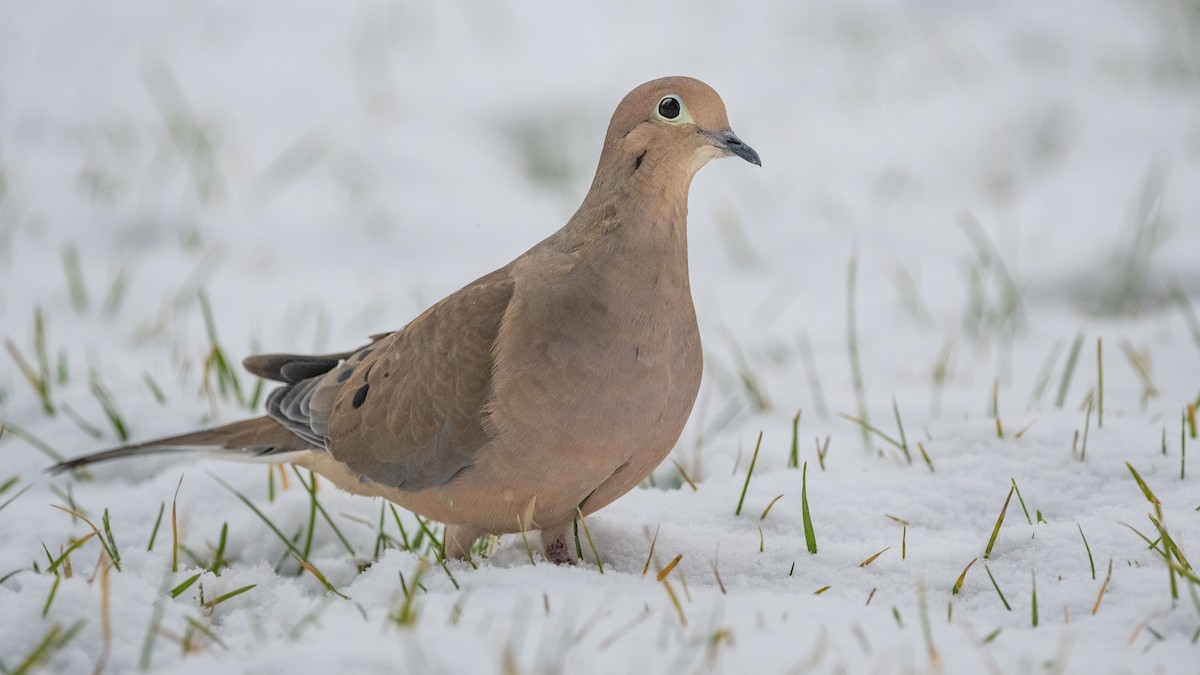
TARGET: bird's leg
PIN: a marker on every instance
(460, 539)
(556, 544)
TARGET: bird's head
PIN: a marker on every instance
(671, 124)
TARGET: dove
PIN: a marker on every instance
(537, 393)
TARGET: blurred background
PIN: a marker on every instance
(958, 200)
(1005, 177)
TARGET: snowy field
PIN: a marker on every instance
(976, 229)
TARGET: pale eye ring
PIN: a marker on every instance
(670, 107)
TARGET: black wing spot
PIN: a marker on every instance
(360, 396)
(345, 374)
(363, 354)
(637, 163)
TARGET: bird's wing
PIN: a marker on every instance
(408, 409)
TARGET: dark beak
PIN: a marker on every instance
(728, 141)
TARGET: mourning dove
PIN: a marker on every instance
(556, 383)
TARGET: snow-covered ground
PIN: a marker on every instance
(1010, 179)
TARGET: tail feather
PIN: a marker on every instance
(257, 437)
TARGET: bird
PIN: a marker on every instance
(537, 393)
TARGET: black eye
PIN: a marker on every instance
(669, 107)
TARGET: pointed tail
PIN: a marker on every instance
(252, 438)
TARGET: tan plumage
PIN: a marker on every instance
(560, 379)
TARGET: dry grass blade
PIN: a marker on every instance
(868, 428)
(1103, 587)
(935, 659)
(675, 602)
(768, 509)
(666, 571)
(900, 426)
(683, 474)
(871, 559)
(650, 555)
(105, 619)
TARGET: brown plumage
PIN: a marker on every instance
(561, 379)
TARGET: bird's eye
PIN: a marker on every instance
(670, 107)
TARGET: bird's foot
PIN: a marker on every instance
(556, 548)
(559, 553)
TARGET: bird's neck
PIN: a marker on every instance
(641, 227)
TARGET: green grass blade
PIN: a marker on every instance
(749, 474)
(810, 537)
(999, 521)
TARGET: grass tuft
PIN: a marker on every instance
(54, 641)
(39, 378)
(216, 364)
(406, 614)
(291, 547)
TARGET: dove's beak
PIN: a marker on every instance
(729, 142)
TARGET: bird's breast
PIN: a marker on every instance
(604, 364)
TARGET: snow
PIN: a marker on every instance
(325, 170)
